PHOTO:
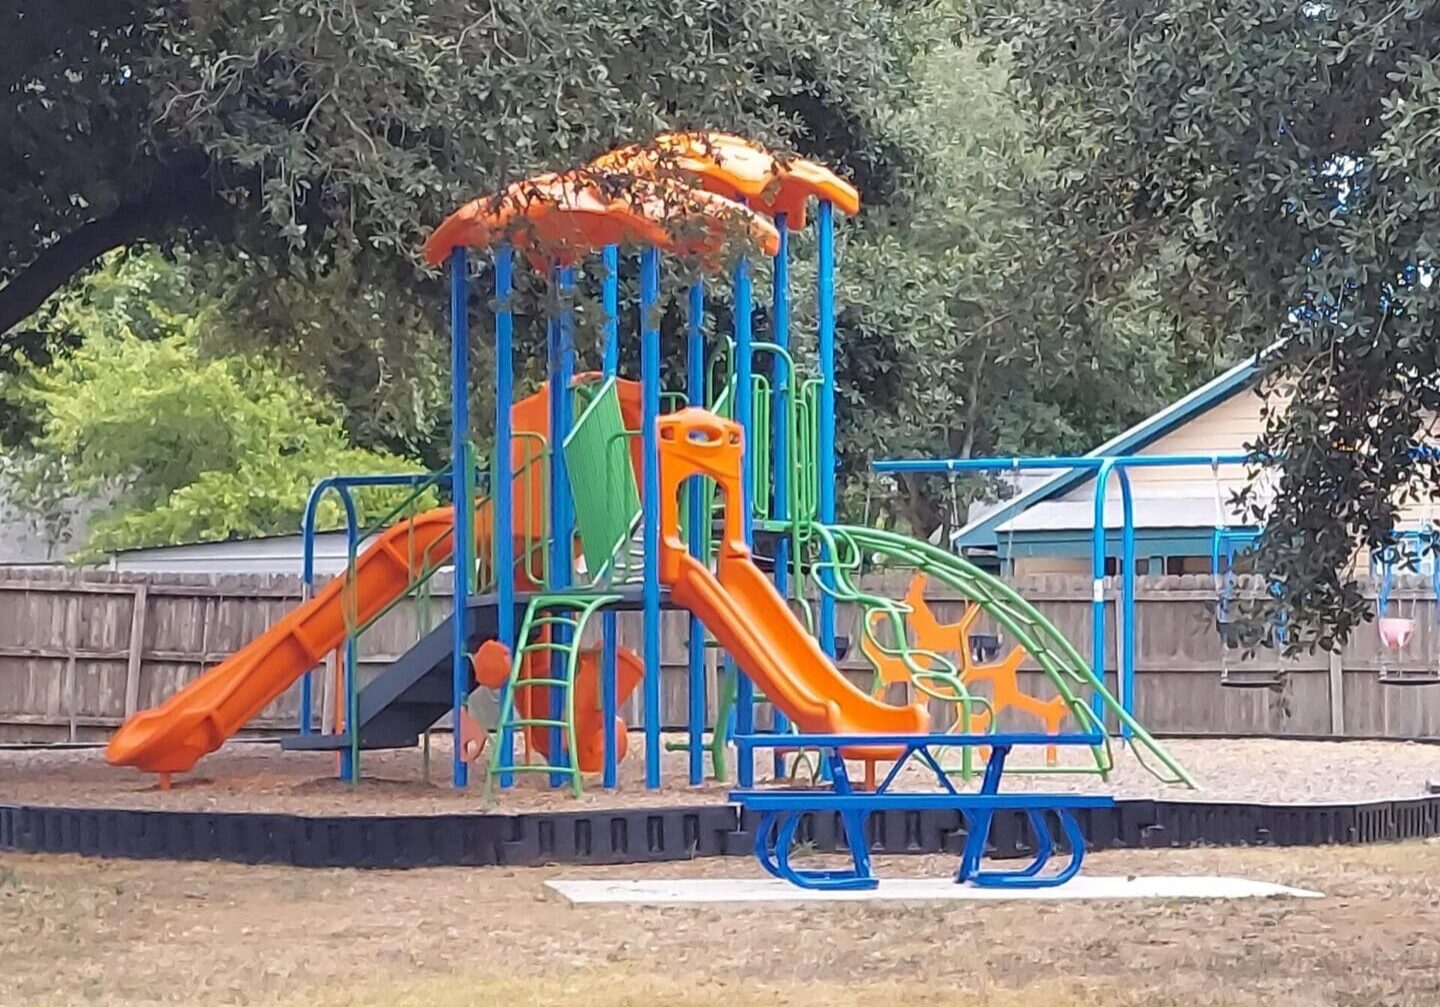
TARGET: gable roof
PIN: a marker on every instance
(981, 532)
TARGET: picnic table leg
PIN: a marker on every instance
(994, 769)
(1030, 876)
(856, 878)
(978, 830)
(765, 843)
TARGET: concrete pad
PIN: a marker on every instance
(712, 891)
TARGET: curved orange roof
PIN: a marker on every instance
(736, 168)
(563, 215)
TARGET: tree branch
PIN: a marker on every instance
(177, 198)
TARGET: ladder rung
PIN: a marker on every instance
(557, 682)
(536, 722)
(531, 648)
(538, 768)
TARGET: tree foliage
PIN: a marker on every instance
(951, 337)
(309, 132)
(172, 445)
(1280, 162)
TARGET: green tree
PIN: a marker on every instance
(308, 132)
(951, 316)
(172, 444)
(1280, 163)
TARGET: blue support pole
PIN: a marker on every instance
(561, 367)
(1097, 580)
(1127, 575)
(744, 306)
(650, 509)
(1125, 661)
(463, 494)
(609, 627)
(699, 528)
(341, 486)
(503, 489)
(826, 307)
(780, 437)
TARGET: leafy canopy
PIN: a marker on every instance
(1279, 164)
(309, 132)
(172, 445)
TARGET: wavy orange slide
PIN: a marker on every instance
(740, 606)
(196, 720)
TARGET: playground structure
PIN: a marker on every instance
(592, 501)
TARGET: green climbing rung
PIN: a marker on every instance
(554, 620)
(543, 768)
(536, 722)
(526, 683)
(560, 648)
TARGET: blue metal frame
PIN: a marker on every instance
(560, 367)
(826, 307)
(462, 493)
(341, 486)
(1103, 467)
(780, 430)
(609, 628)
(502, 491)
(744, 307)
(699, 528)
(650, 503)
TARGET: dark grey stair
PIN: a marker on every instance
(409, 696)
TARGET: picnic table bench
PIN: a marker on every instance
(781, 810)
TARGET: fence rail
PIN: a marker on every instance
(80, 650)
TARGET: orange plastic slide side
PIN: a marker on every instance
(195, 721)
(741, 607)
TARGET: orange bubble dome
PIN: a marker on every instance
(562, 216)
(738, 169)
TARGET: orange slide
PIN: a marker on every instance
(197, 719)
(740, 605)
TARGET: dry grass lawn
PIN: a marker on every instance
(76, 931)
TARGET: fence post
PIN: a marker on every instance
(140, 599)
(1337, 693)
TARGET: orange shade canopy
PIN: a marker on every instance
(562, 216)
(738, 169)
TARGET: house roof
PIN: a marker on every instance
(981, 532)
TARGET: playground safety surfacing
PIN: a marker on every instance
(1095, 888)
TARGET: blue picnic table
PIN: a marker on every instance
(782, 809)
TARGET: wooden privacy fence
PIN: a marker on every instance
(82, 649)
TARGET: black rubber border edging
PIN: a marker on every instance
(652, 835)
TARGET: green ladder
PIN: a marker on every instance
(563, 615)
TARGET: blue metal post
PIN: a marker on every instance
(1125, 657)
(561, 367)
(307, 575)
(1127, 580)
(462, 493)
(699, 525)
(780, 437)
(609, 628)
(650, 511)
(744, 306)
(503, 489)
(826, 307)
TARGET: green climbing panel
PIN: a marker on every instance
(554, 625)
(602, 480)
